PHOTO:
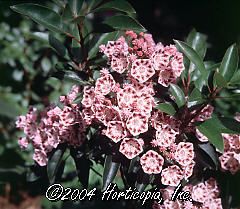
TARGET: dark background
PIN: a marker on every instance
(168, 20)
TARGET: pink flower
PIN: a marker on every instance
(188, 169)
(131, 147)
(40, 157)
(184, 153)
(119, 64)
(116, 131)
(126, 97)
(200, 193)
(88, 96)
(142, 70)
(137, 123)
(165, 137)
(166, 77)
(205, 114)
(228, 162)
(104, 84)
(23, 142)
(172, 175)
(151, 162)
(200, 136)
(144, 103)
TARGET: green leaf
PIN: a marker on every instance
(230, 123)
(193, 56)
(82, 166)
(167, 108)
(103, 40)
(177, 92)
(229, 63)
(57, 45)
(140, 186)
(110, 171)
(123, 22)
(210, 151)
(9, 107)
(94, 4)
(118, 5)
(219, 80)
(195, 97)
(54, 163)
(40, 36)
(75, 6)
(42, 15)
(212, 132)
(236, 78)
(70, 76)
(198, 42)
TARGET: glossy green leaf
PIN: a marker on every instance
(118, 5)
(236, 78)
(212, 132)
(195, 97)
(40, 36)
(177, 92)
(229, 63)
(219, 80)
(193, 56)
(54, 163)
(230, 123)
(167, 108)
(82, 164)
(57, 45)
(75, 6)
(211, 152)
(140, 186)
(124, 22)
(94, 4)
(198, 42)
(42, 15)
(70, 76)
(110, 171)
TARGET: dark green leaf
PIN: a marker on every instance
(94, 4)
(195, 95)
(42, 15)
(119, 5)
(219, 80)
(54, 163)
(210, 151)
(110, 171)
(140, 186)
(193, 56)
(40, 36)
(82, 165)
(236, 78)
(70, 76)
(229, 63)
(212, 132)
(198, 42)
(177, 92)
(75, 6)
(57, 45)
(123, 22)
(8, 107)
(167, 108)
(230, 123)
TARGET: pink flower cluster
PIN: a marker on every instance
(123, 105)
(230, 158)
(45, 130)
(205, 195)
